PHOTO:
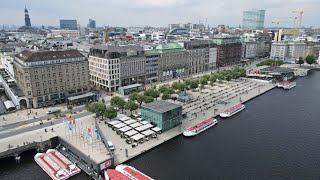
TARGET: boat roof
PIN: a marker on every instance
(144, 127)
(131, 133)
(114, 122)
(201, 124)
(135, 173)
(156, 129)
(284, 82)
(147, 132)
(137, 137)
(125, 129)
(120, 125)
(130, 121)
(144, 122)
(134, 125)
(233, 108)
(114, 174)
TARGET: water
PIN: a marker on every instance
(276, 137)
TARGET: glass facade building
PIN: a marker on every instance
(253, 20)
(68, 24)
(163, 114)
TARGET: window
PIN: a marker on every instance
(49, 82)
(37, 84)
(38, 92)
(29, 93)
(28, 84)
(45, 91)
(50, 90)
(54, 75)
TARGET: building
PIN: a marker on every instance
(50, 77)
(152, 65)
(158, 36)
(163, 114)
(229, 50)
(68, 24)
(114, 66)
(173, 61)
(264, 41)
(253, 20)
(64, 33)
(287, 51)
(202, 55)
(92, 24)
(179, 31)
(249, 47)
(27, 18)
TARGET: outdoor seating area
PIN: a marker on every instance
(133, 131)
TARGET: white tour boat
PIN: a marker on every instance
(132, 173)
(231, 111)
(290, 85)
(204, 125)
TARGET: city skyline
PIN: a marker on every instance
(145, 12)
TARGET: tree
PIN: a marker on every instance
(97, 108)
(140, 99)
(70, 108)
(187, 82)
(133, 96)
(118, 102)
(228, 77)
(203, 81)
(310, 59)
(206, 76)
(182, 86)
(131, 106)
(300, 61)
(194, 84)
(175, 85)
(57, 112)
(165, 96)
(201, 87)
(169, 91)
(152, 92)
(148, 99)
(163, 88)
(110, 112)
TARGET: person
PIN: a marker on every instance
(52, 129)
(45, 130)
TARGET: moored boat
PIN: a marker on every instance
(132, 173)
(282, 83)
(63, 162)
(290, 85)
(111, 174)
(50, 167)
(233, 110)
(204, 125)
(303, 74)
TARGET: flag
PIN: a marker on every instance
(98, 137)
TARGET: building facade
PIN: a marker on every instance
(163, 114)
(114, 66)
(68, 24)
(253, 20)
(249, 48)
(287, 51)
(173, 61)
(229, 50)
(50, 77)
(152, 65)
(202, 56)
(27, 18)
(64, 33)
(92, 24)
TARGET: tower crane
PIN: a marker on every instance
(294, 24)
(300, 17)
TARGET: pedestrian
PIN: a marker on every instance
(36, 113)
(52, 129)
(45, 130)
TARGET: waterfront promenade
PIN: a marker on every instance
(223, 96)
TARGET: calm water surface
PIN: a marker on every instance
(276, 137)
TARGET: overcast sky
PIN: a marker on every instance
(156, 12)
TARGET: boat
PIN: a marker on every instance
(132, 173)
(303, 74)
(50, 167)
(63, 162)
(204, 125)
(282, 83)
(112, 174)
(290, 85)
(231, 111)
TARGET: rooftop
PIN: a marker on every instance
(113, 48)
(277, 69)
(161, 106)
(30, 56)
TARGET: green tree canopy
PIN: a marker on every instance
(194, 84)
(182, 86)
(133, 96)
(152, 92)
(97, 108)
(163, 88)
(203, 81)
(165, 96)
(175, 85)
(148, 99)
(118, 102)
(131, 106)
(310, 59)
(110, 112)
(206, 76)
(300, 61)
(270, 62)
(169, 91)
(187, 82)
(140, 99)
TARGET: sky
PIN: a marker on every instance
(157, 12)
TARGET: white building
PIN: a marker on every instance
(158, 36)
(7, 62)
(287, 51)
(249, 47)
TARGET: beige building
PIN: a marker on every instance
(51, 77)
(64, 33)
(114, 66)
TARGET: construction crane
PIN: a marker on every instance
(294, 24)
(300, 17)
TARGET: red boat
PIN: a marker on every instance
(233, 110)
(132, 173)
(204, 125)
(112, 174)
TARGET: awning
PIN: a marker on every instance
(9, 104)
(125, 129)
(114, 122)
(156, 129)
(148, 132)
(120, 125)
(130, 121)
(134, 125)
(144, 127)
(137, 137)
(124, 119)
(131, 133)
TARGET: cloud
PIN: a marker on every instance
(155, 12)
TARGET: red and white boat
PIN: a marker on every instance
(290, 85)
(231, 111)
(132, 173)
(112, 174)
(282, 83)
(204, 125)
(63, 162)
(50, 167)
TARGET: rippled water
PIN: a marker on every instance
(276, 137)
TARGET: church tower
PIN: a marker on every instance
(26, 17)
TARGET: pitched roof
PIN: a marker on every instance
(29, 56)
